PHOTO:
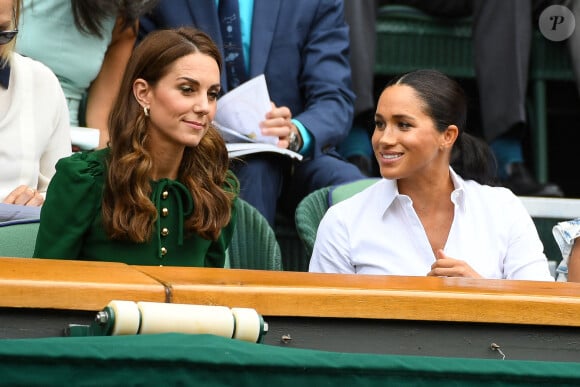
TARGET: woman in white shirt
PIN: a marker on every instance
(434, 212)
(34, 124)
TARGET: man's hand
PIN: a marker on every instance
(278, 123)
(24, 196)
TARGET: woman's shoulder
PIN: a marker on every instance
(371, 198)
(493, 197)
(495, 191)
(84, 165)
(32, 67)
(42, 77)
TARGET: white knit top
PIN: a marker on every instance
(34, 126)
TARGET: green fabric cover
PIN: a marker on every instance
(344, 191)
(18, 240)
(253, 245)
(309, 213)
(206, 360)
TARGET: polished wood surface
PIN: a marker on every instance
(80, 285)
(376, 297)
(76, 285)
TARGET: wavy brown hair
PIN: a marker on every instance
(128, 212)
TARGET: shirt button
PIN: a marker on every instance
(164, 212)
(163, 251)
(164, 231)
(165, 194)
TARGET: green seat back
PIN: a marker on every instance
(312, 208)
(254, 245)
(309, 213)
(344, 191)
(18, 240)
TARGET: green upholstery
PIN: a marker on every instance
(293, 253)
(344, 191)
(204, 360)
(309, 213)
(254, 245)
(409, 39)
(18, 240)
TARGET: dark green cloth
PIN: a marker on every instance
(71, 221)
(206, 360)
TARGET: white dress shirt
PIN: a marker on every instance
(377, 231)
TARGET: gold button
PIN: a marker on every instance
(165, 194)
(164, 231)
(164, 212)
(163, 251)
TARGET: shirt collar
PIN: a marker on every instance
(5, 76)
(391, 191)
(458, 194)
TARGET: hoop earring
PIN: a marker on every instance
(146, 111)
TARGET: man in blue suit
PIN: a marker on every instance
(301, 46)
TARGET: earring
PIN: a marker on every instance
(146, 111)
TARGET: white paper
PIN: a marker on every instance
(241, 110)
(85, 138)
(241, 149)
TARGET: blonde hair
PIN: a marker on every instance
(8, 48)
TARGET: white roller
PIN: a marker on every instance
(248, 324)
(182, 318)
(126, 317)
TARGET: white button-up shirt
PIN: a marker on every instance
(377, 231)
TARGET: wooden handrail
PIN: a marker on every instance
(376, 297)
(73, 285)
(81, 285)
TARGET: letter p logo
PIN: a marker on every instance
(557, 23)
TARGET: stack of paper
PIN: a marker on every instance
(241, 149)
(238, 117)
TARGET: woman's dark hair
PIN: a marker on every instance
(445, 102)
(90, 14)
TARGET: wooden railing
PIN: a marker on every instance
(87, 286)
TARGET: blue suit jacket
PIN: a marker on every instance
(301, 46)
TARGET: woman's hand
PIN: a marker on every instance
(445, 266)
(25, 196)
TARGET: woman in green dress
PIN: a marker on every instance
(161, 193)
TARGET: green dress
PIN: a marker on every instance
(71, 221)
